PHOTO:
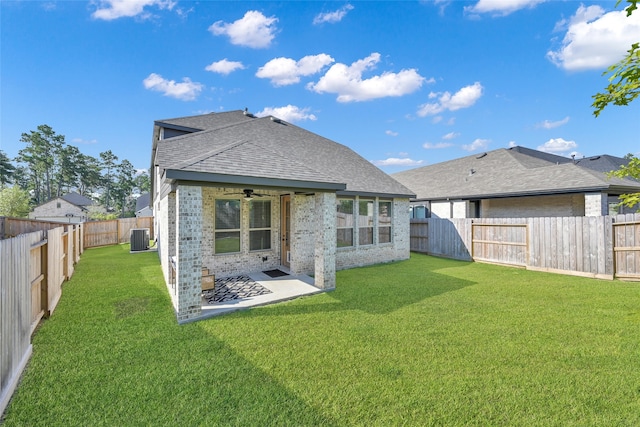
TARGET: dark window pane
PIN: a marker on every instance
(384, 235)
(345, 237)
(260, 214)
(365, 235)
(227, 214)
(259, 239)
(227, 241)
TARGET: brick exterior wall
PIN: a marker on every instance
(596, 204)
(538, 206)
(246, 261)
(398, 249)
(52, 212)
(326, 240)
(188, 252)
(303, 242)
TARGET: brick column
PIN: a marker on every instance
(188, 252)
(326, 240)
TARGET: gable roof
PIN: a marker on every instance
(143, 201)
(510, 172)
(238, 148)
(77, 199)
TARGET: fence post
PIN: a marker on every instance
(44, 269)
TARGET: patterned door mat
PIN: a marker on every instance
(232, 288)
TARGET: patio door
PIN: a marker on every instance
(285, 230)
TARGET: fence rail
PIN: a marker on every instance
(602, 247)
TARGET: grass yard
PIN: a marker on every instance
(423, 342)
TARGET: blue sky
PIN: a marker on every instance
(404, 84)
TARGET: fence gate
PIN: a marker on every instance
(626, 249)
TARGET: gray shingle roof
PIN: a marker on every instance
(516, 171)
(77, 199)
(238, 145)
(143, 201)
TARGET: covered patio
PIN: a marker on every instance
(270, 290)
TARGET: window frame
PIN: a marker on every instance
(217, 230)
(351, 227)
(370, 220)
(379, 216)
(269, 228)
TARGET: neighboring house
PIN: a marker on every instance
(143, 205)
(239, 194)
(517, 182)
(72, 208)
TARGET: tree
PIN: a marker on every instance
(631, 170)
(624, 79)
(142, 182)
(42, 158)
(6, 169)
(14, 202)
(109, 164)
(123, 186)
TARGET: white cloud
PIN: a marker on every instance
(501, 7)
(84, 141)
(347, 81)
(391, 133)
(287, 71)
(464, 98)
(512, 144)
(224, 66)
(394, 161)
(289, 113)
(552, 125)
(252, 30)
(185, 91)
(431, 146)
(594, 39)
(478, 144)
(558, 146)
(332, 17)
(109, 10)
(451, 135)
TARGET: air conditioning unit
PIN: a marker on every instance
(139, 239)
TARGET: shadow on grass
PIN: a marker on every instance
(383, 288)
(113, 354)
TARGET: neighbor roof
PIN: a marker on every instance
(143, 201)
(516, 171)
(77, 199)
(238, 148)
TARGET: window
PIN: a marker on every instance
(259, 225)
(384, 222)
(365, 222)
(227, 226)
(344, 218)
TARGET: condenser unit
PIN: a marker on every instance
(139, 239)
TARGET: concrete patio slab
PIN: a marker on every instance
(282, 289)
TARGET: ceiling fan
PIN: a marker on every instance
(248, 194)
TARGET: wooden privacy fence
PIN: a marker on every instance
(113, 232)
(603, 247)
(33, 269)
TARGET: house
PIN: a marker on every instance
(143, 205)
(72, 208)
(517, 182)
(238, 194)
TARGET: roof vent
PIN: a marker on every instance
(247, 113)
(481, 156)
(594, 158)
(472, 171)
(275, 119)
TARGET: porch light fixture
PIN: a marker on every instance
(248, 198)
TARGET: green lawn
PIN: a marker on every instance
(424, 342)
